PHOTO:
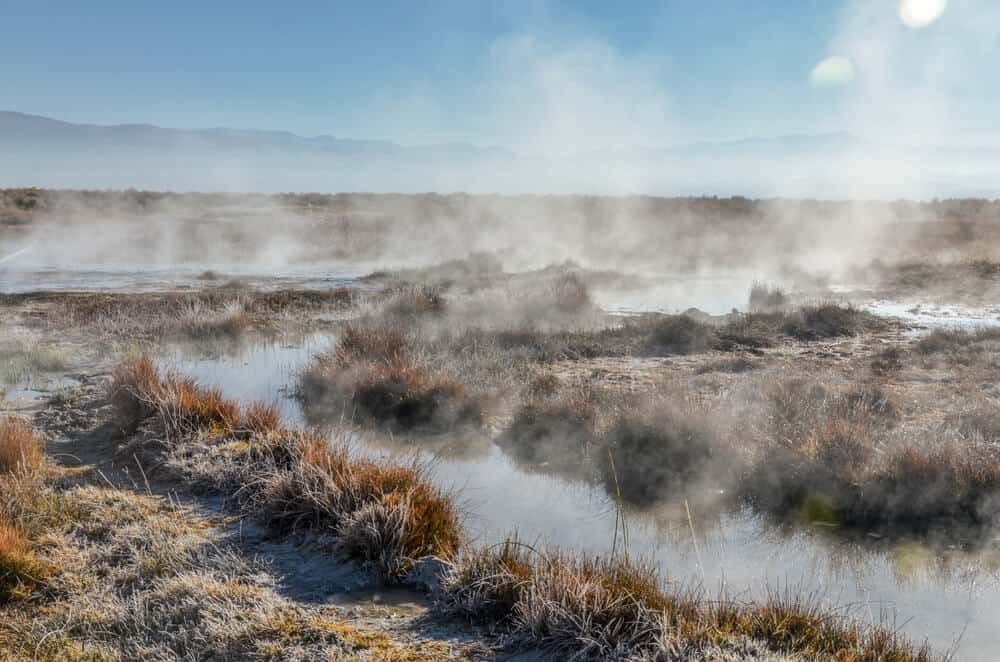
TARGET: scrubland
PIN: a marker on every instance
(134, 502)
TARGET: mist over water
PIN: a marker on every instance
(590, 145)
(926, 590)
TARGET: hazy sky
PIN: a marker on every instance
(545, 73)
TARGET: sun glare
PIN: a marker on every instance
(921, 13)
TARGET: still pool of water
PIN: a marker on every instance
(937, 594)
(261, 369)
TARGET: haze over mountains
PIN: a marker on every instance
(39, 151)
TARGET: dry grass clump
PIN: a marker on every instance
(260, 418)
(386, 515)
(25, 509)
(767, 298)
(409, 302)
(592, 608)
(200, 322)
(922, 485)
(19, 568)
(21, 449)
(577, 607)
(837, 458)
(812, 322)
(826, 320)
(888, 361)
(358, 343)
(372, 375)
(135, 389)
(650, 454)
(558, 433)
(408, 397)
(682, 334)
(738, 365)
(221, 312)
(961, 347)
(488, 583)
(138, 391)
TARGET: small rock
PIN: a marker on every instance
(428, 574)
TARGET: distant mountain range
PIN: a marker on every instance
(41, 151)
(20, 130)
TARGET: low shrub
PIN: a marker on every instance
(647, 456)
(408, 302)
(825, 321)
(371, 375)
(679, 334)
(558, 433)
(837, 459)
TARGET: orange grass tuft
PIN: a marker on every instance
(21, 449)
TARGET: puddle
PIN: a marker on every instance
(937, 316)
(675, 293)
(37, 390)
(933, 594)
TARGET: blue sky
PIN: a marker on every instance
(553, 73)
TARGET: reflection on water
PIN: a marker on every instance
(927, 593)
(249, 369)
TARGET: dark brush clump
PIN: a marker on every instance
(767, 298)
(373, 376)
(836, 458)
(958, 346)
(826, 321)
(647, 456)
(679, 334)
(558, 434)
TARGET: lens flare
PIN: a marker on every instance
(921, 13)
(834, 70)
